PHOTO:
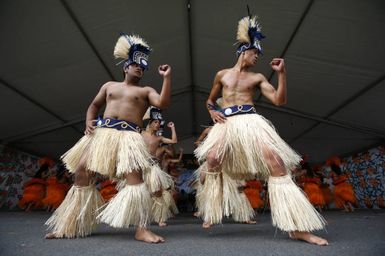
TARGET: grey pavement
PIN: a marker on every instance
(359, 233)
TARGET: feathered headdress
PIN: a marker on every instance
(132, 49)
(249, 34)
(153, 113)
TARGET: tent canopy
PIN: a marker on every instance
(56, 54)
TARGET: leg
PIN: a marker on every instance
(76, 216)
(212, 163)
(142, 233)
(234, 202)
(283, 190)
(210, 179)
(159, 213)
(196, 214)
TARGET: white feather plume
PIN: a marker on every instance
(124, 44)
(243, 28)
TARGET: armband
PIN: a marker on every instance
(211, 107)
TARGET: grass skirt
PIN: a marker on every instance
(219, 196)
(243, 143)
(235, 202)
(160, 210)
(130, 206)
(157, 180)
(76, 216)
(169, 199)
(290, 209)
(109, 152)
(209, 198)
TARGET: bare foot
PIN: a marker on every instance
(147, 236)
(196, 214)
(50, 236)
(206, 225)
(250, 222)
(162, 224)
(308, 237)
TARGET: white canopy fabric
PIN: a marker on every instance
(55, 55)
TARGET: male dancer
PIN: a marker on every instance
(243, 144)
(159, 182)
(114, 148)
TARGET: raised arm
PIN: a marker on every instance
(174, 138)
(179, 158)
(276, 96)
(94, 108)
(163, 99)
(214, 94)
(202, 136)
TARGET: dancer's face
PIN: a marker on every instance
(250, 57)
(155, 125)
(134, 70)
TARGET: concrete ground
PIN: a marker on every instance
(359, 233)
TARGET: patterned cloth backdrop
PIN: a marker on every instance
(16, 168)
(366, 173)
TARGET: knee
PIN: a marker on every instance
(212, 161)
(276, 165)
(134, 178)
(202, 177)
(158, 193)
(82, 176)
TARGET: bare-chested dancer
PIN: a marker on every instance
(159, 181)
(114, 147)
(243, 144)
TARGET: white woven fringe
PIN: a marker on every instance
(209, 198)
(130, 206)
(242, 144)
(170, 202)
(157, 180)
(76, 216)
(160, 210)
(109, 152)
(235, 203)
(290, 208)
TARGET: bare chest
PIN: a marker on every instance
(127, 94)
(237, 83)
(151, 141)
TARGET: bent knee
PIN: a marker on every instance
(134, 177)
(212, 161)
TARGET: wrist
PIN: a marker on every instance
(210, 107)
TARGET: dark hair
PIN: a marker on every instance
(309, 171)
(335, 168)
(42, 169)
(152, 120)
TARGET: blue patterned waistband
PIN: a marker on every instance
(238, 110)
(117, 124)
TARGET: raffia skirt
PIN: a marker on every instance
(109, 152)
(243, 143)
